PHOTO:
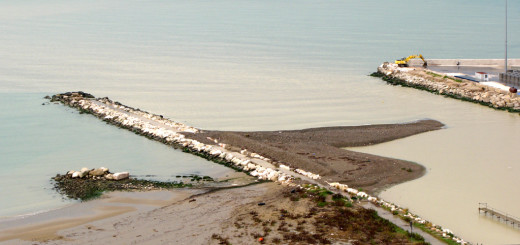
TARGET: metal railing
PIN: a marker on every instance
(499, 214)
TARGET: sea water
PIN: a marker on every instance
(41, 139)
(267, 65)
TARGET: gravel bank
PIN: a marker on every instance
(319, 150)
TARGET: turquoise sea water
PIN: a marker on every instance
(258, 65)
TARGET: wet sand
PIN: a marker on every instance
(320, 150)
(187, 217)
(46, 227)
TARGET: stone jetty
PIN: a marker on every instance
(169, 132)
(448, 86)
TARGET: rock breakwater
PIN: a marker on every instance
(171, 133)
(450, 87)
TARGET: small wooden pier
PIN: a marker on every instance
(500, 215)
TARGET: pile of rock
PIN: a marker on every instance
(97, 173)
(469, 91)
(308, 174)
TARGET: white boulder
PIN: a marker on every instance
(121, 175)
(75, 174)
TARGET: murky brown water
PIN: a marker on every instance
(473, 160)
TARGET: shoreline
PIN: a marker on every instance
(231, 178)
(45, 226)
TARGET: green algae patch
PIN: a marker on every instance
(86, 189)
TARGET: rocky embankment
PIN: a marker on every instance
(436, 83)
(173, 133)
(97, 174)
(90, 183)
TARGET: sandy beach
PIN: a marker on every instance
(46, 227)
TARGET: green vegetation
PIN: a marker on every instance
(453, 79)
(414, 236)
(424, 228)
(342, 215)
(433, 74)
(444, 77)
(324, 192)
(377, 74)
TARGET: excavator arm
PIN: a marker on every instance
(404, 61)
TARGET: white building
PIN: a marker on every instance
(482, 76)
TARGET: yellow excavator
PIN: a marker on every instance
(404, 61)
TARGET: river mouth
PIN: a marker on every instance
(455, 184)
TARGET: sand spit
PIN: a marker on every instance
(319, 150)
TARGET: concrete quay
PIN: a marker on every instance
(468, 67)
(449, 86)
(498, 63)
